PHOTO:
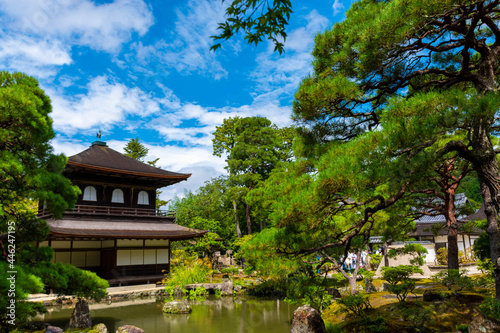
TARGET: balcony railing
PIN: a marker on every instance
(107, 210)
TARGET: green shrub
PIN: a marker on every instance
(303, 289)
(416, 313)
(186, 269)
(442, 256)
(230, 270)
(399, 280)
(375, 260)
(491, 308)
(453, 278)
(356, 304)
(377, 325)
(199, 293)
(463, 328)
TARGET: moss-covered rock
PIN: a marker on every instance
(176, 307)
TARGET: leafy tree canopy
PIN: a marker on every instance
(258, 19)
(30, 173)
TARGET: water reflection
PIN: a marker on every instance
(213, 315)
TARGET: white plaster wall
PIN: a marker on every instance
(163, 256)
(123, 257)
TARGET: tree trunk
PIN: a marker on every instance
(352, 278)
(249, 220)
(386, 257)
(236, 220)
(452, 224)
(486, 166)
(492, 230)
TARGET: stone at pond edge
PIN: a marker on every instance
(53, 329)
(483, 324)
(178, 293)
(176, 307)
(227, 288)
(307, 320)
(99, 328)
(129, 329)
(80, 318)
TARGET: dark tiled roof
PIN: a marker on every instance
(125, 229)
(460, 201)
(100, 157)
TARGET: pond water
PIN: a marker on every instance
(213, 315)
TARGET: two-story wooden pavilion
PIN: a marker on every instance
(115, 229)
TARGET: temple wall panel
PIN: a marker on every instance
(78, 258)
(157, 242)
(61, 244)
(107, 244)
(63, 257)
(162, 256)
(149, 257)
(130, 243)
(123, 257)
(137, 257)
(93, 258)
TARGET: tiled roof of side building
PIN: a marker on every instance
(460, 201)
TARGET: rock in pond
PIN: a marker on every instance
(80, 318)
(227, 288)
(176, 307)
(99, 328)
(53, 329)
(129, 329)
(307, 320)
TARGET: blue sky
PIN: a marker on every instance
(143, 68)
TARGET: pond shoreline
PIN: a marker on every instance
(115, 294)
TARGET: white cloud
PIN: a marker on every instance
(79, 22)
(337, 7)
(37, 57)
(189, 49)
(106, 103)
(199, 162)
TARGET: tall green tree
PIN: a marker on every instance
(135, 149)
(254, 147)
(209, 208)
(443, 183)
(29, 172)
(387, 50)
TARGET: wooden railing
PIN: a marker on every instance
(108, 210)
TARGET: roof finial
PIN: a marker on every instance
(99, 142)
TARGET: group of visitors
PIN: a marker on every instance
(352, 258)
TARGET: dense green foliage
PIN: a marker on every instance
(253, 148)
(209, 208)
(30, 172)
(185, 269)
